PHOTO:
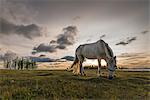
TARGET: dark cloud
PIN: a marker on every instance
(18, 11)
(44, 48)
(122, 43)
(61, 47)
(131, 39)
(145, 32)
(102, 36)
(68, 37)
(128, 41)
(76, 18)
(33, 52)
(62, 41)
(28, 31)
(6, 27)
(52, 41)
(42, 55)
(9, 55)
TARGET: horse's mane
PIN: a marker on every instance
(108, 48)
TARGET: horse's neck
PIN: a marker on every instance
(108, 49)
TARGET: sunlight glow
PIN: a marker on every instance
(94, 62)
(103, 62)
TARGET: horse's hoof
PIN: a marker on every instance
(75, 75)
(82, 74)
(110, 77)
(69, 70)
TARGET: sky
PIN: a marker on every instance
(56, 28)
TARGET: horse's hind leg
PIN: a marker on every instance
(81, 59)
(99, 67)
(82, 69)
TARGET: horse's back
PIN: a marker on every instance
(91, 51)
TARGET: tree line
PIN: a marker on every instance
(19, 63)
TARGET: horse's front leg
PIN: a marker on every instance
(81, 70)
(99, 67)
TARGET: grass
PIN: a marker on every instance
(46, 84)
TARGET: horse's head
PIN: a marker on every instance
(111, 66)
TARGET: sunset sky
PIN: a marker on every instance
(56, 28)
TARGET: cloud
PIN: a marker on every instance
(61, 47)
(44, 48)
(131, 39)
(52, 41)
(130, 54)
(122, 43)
(62, 41)
(68, 37)
(76, 18)
(102, 36)
(134, 60)
(144, 32)
(42, 55)
(9, 55)
(18, 11)
(29, 31)
(128, 41)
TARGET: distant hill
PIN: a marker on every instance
(46, 59)
(39, 59)
(69, 58)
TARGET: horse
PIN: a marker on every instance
(97, 50)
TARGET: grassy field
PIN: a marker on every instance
(45, 84)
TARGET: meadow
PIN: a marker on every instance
(61, 84)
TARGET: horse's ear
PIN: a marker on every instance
(115, 57)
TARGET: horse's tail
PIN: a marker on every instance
(76, 60)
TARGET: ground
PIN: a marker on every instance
(46, 84)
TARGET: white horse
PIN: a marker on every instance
(98, 50)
